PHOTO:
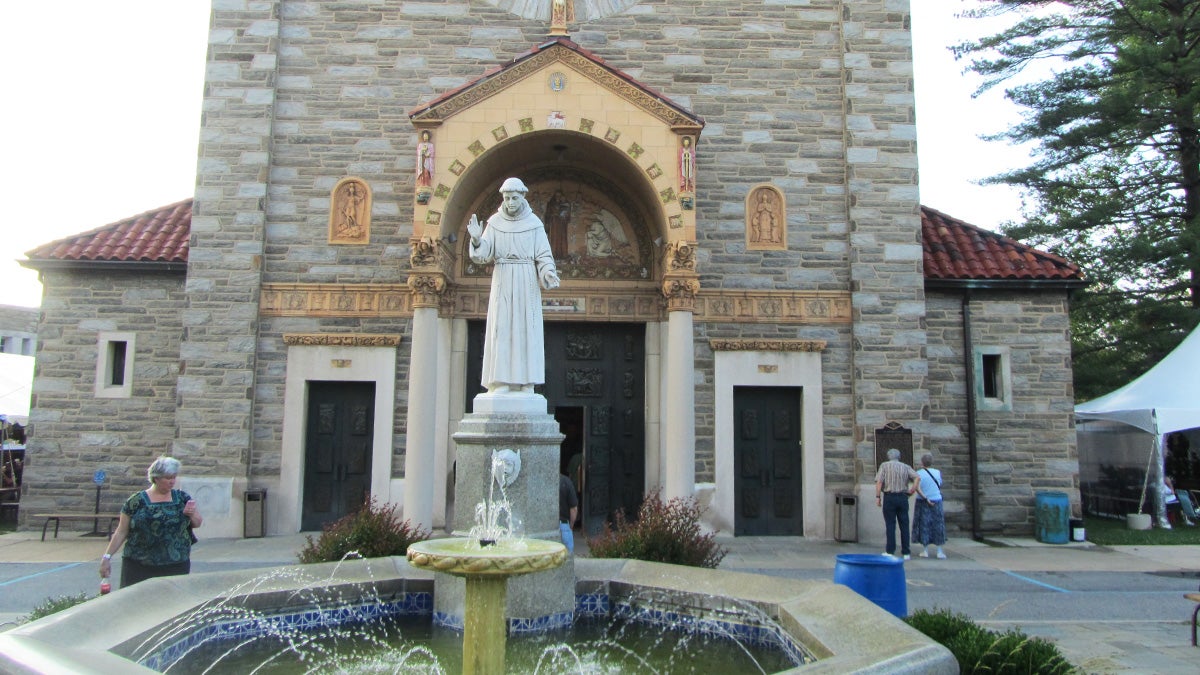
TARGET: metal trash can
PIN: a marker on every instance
(845, 518)
(254, 513)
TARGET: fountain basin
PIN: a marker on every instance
(505, 558)
(845, 632)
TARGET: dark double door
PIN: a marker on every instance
(768, 488)
(595, 387)
(337, 457)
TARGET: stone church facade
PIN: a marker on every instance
(753, 300)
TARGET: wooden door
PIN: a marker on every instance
(337, 462)
(600, 369)
(767, 457)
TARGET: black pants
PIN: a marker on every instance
(895, 512)
(133, 571)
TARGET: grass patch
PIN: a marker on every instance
(1114, 532)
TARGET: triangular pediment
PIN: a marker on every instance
(558, 51)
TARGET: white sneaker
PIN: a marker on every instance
(941, 555)
(1164, 525)
(924, 554)
(907, 557)
(1189, 522)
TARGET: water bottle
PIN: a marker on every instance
(105, 586)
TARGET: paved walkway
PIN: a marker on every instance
(1109, 609)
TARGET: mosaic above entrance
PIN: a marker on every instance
(594, 231)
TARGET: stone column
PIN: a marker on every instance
(680, 286)
(420, 455)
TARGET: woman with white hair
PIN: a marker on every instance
(929, 520)
(155, 528)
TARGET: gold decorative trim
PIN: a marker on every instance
(767, 345)
(781, 307)
(341, 340)
(340, 300)
(640, 303)
(490, 86)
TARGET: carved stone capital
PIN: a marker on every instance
(681, 293)
(679, 256)
(766, 345)
(424, 253)
(427, 289)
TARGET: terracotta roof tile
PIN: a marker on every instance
(955, 250)
(160, 235)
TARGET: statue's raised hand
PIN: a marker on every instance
(474, 229)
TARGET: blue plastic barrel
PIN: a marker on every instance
(878, 578)
(1052, 517)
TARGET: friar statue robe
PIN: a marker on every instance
(513, 347)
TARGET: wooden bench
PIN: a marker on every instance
(57, 518)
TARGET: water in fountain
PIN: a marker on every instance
(494, 519)
(411, 645)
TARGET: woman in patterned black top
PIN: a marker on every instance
(156, 528)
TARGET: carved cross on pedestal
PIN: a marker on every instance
(562, 12)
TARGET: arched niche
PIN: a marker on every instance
(614, 226)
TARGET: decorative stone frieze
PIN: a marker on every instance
(767, 345)
(636, 303)
(340, 340)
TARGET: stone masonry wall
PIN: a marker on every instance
(814, 97)
(73, 432)
(1022, 451)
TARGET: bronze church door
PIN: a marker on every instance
(595, 373)
(337, 458)
(767, 453)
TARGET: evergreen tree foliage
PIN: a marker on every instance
(1112, 111)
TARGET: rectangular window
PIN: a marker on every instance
(116, 361)
(993, 378)
(27, 346)
(114, 365)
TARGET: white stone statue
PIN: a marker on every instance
(514, 357)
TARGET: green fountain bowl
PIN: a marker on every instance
(506, 558)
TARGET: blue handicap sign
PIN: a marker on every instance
(99, 477)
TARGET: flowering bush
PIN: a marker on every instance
(667, 532)
(373, 531)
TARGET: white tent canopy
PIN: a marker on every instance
(16, 381)
(1165, 399)
(1122, 436)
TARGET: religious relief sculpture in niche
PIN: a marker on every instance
(687, 172)
(595, 231)
(562, 12)
(350, 212)
(765, 225)
(424, 170)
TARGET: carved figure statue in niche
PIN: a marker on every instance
(425, 159)
(350, 217)
(687, 165)
(515, 240)
(764, 218)
(557, 216)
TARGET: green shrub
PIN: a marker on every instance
(56, 604)
(667, 532)
(373, 531)
(979, 650)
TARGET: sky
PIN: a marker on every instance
(101, 118)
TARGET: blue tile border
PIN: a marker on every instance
(592, 605)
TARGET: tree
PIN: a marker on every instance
(1115, 181)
